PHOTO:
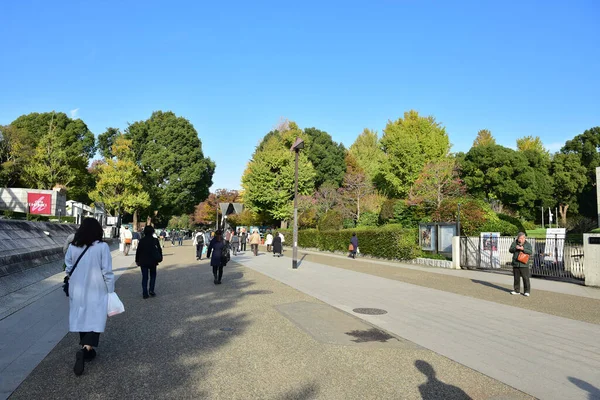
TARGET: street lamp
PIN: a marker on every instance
(296, 147)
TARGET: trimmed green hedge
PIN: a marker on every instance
(390, 241)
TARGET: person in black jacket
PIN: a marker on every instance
(147, 257)
(277, 246)
(217, 250)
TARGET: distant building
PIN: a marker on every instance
(80, 211)
(34, 201)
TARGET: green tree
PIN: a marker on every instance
(484, 138)
(119, 185)
(355, 189)
(268, 181)
(409, 143)
(49, 166)
(176, 173)
(326, 156)
(106, 141)
(587, 146)
(75, 141)
(367, 152)
(530, 143)
(16, 152)
(497, 173)
(570, 180)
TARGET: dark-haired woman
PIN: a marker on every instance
(90, 283)
(215, 253)
(147, 257)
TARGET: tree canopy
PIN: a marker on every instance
(484, 138)
(367, 152)
(176, 173)
(326, 156)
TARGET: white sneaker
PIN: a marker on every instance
(513, 292)
(526, 294)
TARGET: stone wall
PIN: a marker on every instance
(25, 245)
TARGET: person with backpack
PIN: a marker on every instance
(90, 279)
(148, 256)
(218, 252)
(198, 242)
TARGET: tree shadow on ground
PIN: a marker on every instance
(435, 389)
(593, 391)
(370, 335)
(306, 392)
(159, 348)
(488, 284)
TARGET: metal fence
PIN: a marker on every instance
(552, 257)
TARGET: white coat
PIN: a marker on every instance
(269, 240)
(89, 286)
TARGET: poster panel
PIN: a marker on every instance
(555, 245)
(447, 232)
(490, 254)
(427, 235)
(39, 203)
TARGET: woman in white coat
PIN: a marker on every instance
(269, 241)
(89, 286)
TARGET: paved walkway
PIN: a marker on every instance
(545, 356)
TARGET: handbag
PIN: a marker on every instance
(66, 280)
(523, 258)
(157, 252)
(115, 305)
(350, 247)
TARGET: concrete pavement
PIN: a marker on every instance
(255, 337)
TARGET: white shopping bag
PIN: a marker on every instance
(115, 306)
(357, 250)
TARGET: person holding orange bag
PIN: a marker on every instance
(521, 251)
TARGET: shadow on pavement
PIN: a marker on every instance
(484, 283)
(306, 392)
(370, 335)
(435, 389)
(160, 347)
(593, 391)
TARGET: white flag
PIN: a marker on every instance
(550, 214)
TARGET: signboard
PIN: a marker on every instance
(111, 220)
(446, 234)
(555, 244)
(39, 203)
(490, 254)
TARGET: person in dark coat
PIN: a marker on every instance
(277, 246)
(243, 240)
(520, 269)
(354, 243)
(215, 251)
(148, 251)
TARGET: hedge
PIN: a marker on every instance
(389, 242)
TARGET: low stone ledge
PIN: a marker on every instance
(433, 263)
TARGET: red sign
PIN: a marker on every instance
(39, 203)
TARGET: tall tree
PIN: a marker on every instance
(587, 146)
(49, 166)
(570, 180)
(355, 189)
(484, 138)
(367, 153)
(409, 143)
(530, 143)
(119, 185)
(75, 141)
(268, 181)
(438, 180)
(326, 156)
(206, 212)
(326, 198)
(177, 175)
(106, 141)
(16, 152)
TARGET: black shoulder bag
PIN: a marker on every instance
(66, 281)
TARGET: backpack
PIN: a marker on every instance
(156, 252)
(225, 256)
(200, 238)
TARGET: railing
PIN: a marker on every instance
(552, 257)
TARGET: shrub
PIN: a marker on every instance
(387, 211)
(473, 214)
(515, 221)
(528, 225)
(409, 215)
(504, 227)
(390, 241)
(348, 223)
(10, 214)
(368, 219)
(70, 220)
(332, 220)
(36, 217)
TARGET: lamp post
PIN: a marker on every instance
(458, 221)
(296, 147)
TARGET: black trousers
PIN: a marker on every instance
(199, 248)
(152, 271)
(243, 246)
(519, 272)
(218, 271)
(89, 339)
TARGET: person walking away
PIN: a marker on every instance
(163, 236)
(269, 241)
(198, 242)
(254, 242)
(180, 237)
(243, 240)
(282, 241)
(217, 252)
(148, 256)
(277, 246)
(173, 234)
(227, 237)
(126, 239)
(521, 251)
(235, 243)
(136, 236)
(353, 245)
(92, 279)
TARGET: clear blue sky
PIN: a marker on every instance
(515, 67)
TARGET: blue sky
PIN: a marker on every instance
(515, 67)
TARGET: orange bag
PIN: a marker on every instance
(127, 241)
(523, 257)
(350, 248)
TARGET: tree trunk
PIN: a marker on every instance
(562, 209)
(135, 220)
